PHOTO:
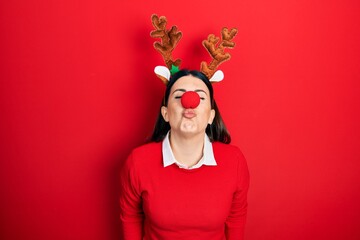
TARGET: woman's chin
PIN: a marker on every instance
(188, 127)
(189, 131)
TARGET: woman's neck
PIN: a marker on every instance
(187, 150)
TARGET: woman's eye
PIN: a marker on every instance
(178, 97)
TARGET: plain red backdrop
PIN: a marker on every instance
(78, 93)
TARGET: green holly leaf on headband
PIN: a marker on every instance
(174, 69)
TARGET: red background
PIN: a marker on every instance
(78, 93)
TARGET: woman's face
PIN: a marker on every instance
(183, 121)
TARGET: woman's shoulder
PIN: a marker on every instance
(227, 151)
(144, 154)
(226, 148)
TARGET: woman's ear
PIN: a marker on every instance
(164, 113)
(212, 116)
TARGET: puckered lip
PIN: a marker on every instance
(189, 113)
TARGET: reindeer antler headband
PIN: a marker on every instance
(169, 40)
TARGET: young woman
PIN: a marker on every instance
(188, 182)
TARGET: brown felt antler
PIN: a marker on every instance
(169, 40)
(216, 50)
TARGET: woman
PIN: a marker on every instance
(188, 183)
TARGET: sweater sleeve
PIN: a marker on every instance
(131, 213)
(235, 223)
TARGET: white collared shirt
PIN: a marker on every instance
(169, 159)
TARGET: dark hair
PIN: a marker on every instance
(215, 131)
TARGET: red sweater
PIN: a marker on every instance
(158, 202)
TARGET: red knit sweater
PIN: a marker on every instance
(158, 202)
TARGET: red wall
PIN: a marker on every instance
(78, 93)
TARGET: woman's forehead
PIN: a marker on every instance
(190, 83)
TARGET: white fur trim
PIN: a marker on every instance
(217, 77)
(162, 71)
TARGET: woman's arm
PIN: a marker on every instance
(235, 223)
(131, 213)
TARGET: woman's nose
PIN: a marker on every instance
(190, 99)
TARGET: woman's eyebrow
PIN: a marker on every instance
(200, 90)
(179, 89)
(184, 90)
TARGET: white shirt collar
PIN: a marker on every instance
(169, 159)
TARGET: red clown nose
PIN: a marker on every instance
(190, 100)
